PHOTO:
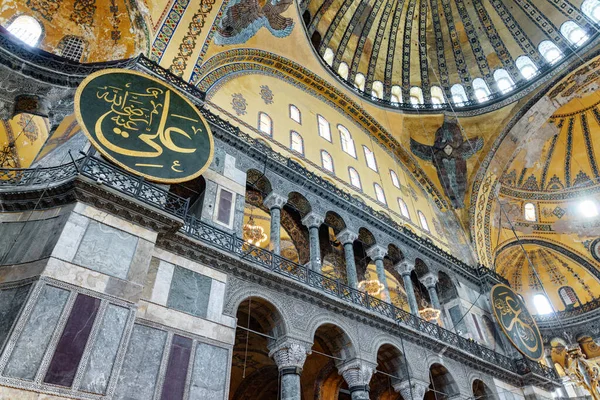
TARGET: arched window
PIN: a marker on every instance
(296, 142)
(526, 66)
(503, 81)
(396, 96)
(529, 212)
(437, 95)
(347, 141)
(295, 114)
(71, 47)
(377, 90)
(568, 296)
(27, 29)
(379, 193)
(343, 70)
(423, 221)
(416, 95)
(395, 180)
(542, 305)
(265, 124)
(550, 51)
(370, 157)
(591, 8)
(588, 208)
(573, 33)
(403, 208)
(481, 90)
(326, 161)
(359, 81)
(328, 56)
(459, 96)
(324, 129)
(354, 178)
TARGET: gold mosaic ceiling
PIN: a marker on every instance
(426, 43)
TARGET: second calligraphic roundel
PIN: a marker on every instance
(144, 125)
(516, 322)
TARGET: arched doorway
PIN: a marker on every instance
(481, 391)
(442, 385)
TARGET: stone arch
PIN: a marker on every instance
(265, 311)
(442, 384)
(259, 181)
(299, 203)
(344, 329)
(421, 268)
(366, 237)
(447, 290)
(481, 391)
(335, 221)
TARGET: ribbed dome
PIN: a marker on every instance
(409, 51)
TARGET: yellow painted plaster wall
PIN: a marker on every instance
(28, 133)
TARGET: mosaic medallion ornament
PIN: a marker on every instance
(238, 102)
(266, 94)
(143, 125)
(516, 322)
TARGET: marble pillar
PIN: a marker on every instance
(430, 281)
(275, 202)
(411, 389)
(289, 356)
(376, 253)
(347, 239)
(313, 221)
(405, 268)
(357, 374)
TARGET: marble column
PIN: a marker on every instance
(429, 280)
(357, 374)
(376, 253)
(313, 221)
(289, 356)
(413, 389)
(275, 202)
(347, 239)
(405, 268)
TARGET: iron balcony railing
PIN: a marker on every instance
(103, 173)
(232, 244)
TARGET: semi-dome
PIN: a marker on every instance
(424, 54)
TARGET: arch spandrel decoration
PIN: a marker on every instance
(516, 322)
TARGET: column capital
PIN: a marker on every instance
(357, 373)
(347, 236)
(413, 389)
(376, 252)
(429, 280)
(274, 200)
(312, 219)
(405, 267)
(289, 353)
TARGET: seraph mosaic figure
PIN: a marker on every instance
(449, 154)
(243, 18)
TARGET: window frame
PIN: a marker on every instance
(299, 120)
(292, 132)
(359, 187)
(319, 117)
(423, 221)
(342, 141)
(375, 186)
(535, 215)
(403, 207)
(260, 113)
(216, 220)
(40, 37)
(330, 158)
(395, 179)
(365, 149)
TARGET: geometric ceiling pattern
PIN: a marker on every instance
(425, 43)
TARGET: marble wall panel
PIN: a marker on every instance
(175, 377)
(190, 292)
(106, 250)
(142, 363)
(104, 351)
(31, 345)
(11, 302)
(210, 373)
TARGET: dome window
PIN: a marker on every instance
(265, 123)
(396, 96)
(526, 66)
(550, 51)
(370, 157)
(377, 90)
(529, 212)
(574, 33)
(542, 305)
(359, 82)
(71, 47)
(27, 29)
(568, 296)
(591, 8)
(296, 142)
(379, 193)
(324, 129)
(403, 208)
(416, 95)
(459, 96)
(354, 178)
(326, 161)
(347, 141)
(437, 96)
(295, 114)
(503, 81)
(343, 70)
(423, 221)
(328, 56)
(481, 89)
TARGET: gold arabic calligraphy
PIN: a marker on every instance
(520, 323)
(136, 113)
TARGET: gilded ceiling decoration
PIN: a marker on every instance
(385, 48)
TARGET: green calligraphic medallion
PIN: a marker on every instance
(144, 125)
(516, 322)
